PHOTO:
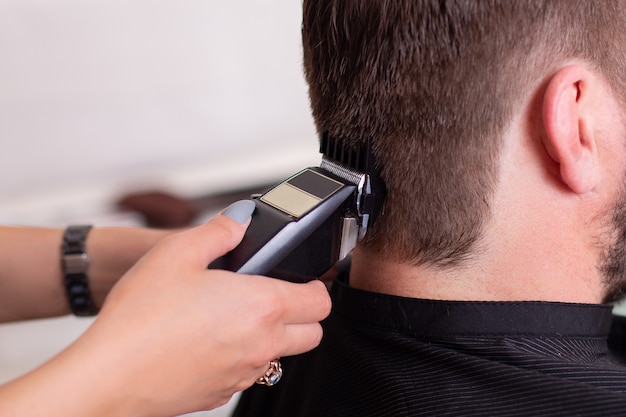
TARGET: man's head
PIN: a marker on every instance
(436, 84)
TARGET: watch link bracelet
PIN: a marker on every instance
(75, 263)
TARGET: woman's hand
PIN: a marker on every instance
(175, 337)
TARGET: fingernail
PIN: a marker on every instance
(240, 211)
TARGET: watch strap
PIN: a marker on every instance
(75, 263)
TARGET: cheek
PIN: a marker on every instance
(611, 153)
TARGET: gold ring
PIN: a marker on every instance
(272, 375)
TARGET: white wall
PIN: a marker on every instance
(102, 96)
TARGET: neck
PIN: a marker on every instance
(473, 283)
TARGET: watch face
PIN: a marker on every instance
(75, 263)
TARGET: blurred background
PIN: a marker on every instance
(100, 99)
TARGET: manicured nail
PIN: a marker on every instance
(240, 211)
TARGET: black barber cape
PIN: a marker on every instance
(383, 355)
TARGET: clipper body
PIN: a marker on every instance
(304, 225)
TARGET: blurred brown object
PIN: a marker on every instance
(166, 210)
(160, 209)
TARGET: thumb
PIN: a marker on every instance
(221, 234)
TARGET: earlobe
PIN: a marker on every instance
(569, 138)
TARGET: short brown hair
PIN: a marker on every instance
(435, 84)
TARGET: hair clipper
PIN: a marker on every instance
(301, 227)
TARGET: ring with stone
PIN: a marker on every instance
(272, 375)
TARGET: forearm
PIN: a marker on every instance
(31, 278)
(85, 380)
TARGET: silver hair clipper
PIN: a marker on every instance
(306, 224)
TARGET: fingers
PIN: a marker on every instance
(300, 338)
(288, 316)
(304, 303)
(221, 234)
(305, 307)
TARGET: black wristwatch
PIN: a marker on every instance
(75, 263)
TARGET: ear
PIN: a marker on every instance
(568, 123)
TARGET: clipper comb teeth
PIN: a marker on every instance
(352, 164)
(359, 159)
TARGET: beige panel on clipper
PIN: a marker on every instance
(290, 199)
(301, 193)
